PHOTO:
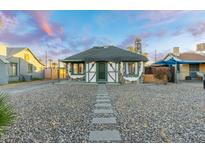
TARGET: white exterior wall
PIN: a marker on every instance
(90, 72)
(113, 72)
(136, 67)
(86, 72)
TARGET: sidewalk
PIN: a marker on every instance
(24, 86)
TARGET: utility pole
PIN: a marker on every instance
(58, 70)
(46, 59)
(50, 60)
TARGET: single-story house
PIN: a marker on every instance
(187, 63)
(105, 64)
(20, 64)
(3, 70)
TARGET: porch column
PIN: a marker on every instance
(58, 70)
(127, 70)
(66, 70)
(121, 68)
(136, 68)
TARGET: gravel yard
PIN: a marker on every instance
(144, 112)
(160, 113)
(54, 113)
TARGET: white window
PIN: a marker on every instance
(131, 68)
(78, 68)
(30, 68)
(13, 69)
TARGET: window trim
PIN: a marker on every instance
(78, 64)
(129, 73)
(198, 67)
(31, 68)
(13, 63)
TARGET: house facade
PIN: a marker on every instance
(21, 64)
(192, 63)
(105, 64)
(3, 70)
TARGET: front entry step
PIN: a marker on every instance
(102, 82)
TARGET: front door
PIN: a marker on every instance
(102, 71)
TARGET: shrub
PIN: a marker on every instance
(6, 112)
(160, 73)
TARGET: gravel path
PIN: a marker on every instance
(54, 113)
(160, 113)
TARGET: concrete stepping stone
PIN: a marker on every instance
(103, 105)
(105, 135)
(102, 95)
(103, 111)
(110, 120)
(102, 100)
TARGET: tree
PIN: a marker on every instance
(7, 115)
(131, 48)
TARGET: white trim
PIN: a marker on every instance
(127, 68)
(138, 77)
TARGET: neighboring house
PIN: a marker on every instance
(3, 70)
(105, 64)
(191, 63)
(23, 64)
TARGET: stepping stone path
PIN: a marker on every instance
(104, 115)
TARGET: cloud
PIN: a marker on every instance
(61, 52)
(144, 37)
(13, 38)
(161, 17)
(7, 22)
(41, 29)
(197, 29)
(42, 19)
(131, 39)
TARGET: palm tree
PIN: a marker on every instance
(6, 113)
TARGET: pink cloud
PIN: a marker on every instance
(42, 18)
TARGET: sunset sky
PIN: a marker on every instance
(63, 33)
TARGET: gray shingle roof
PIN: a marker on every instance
(13, 51)
(109, 53)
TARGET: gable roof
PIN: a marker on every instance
(108, 53)
(12, 51)
(183, 58)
